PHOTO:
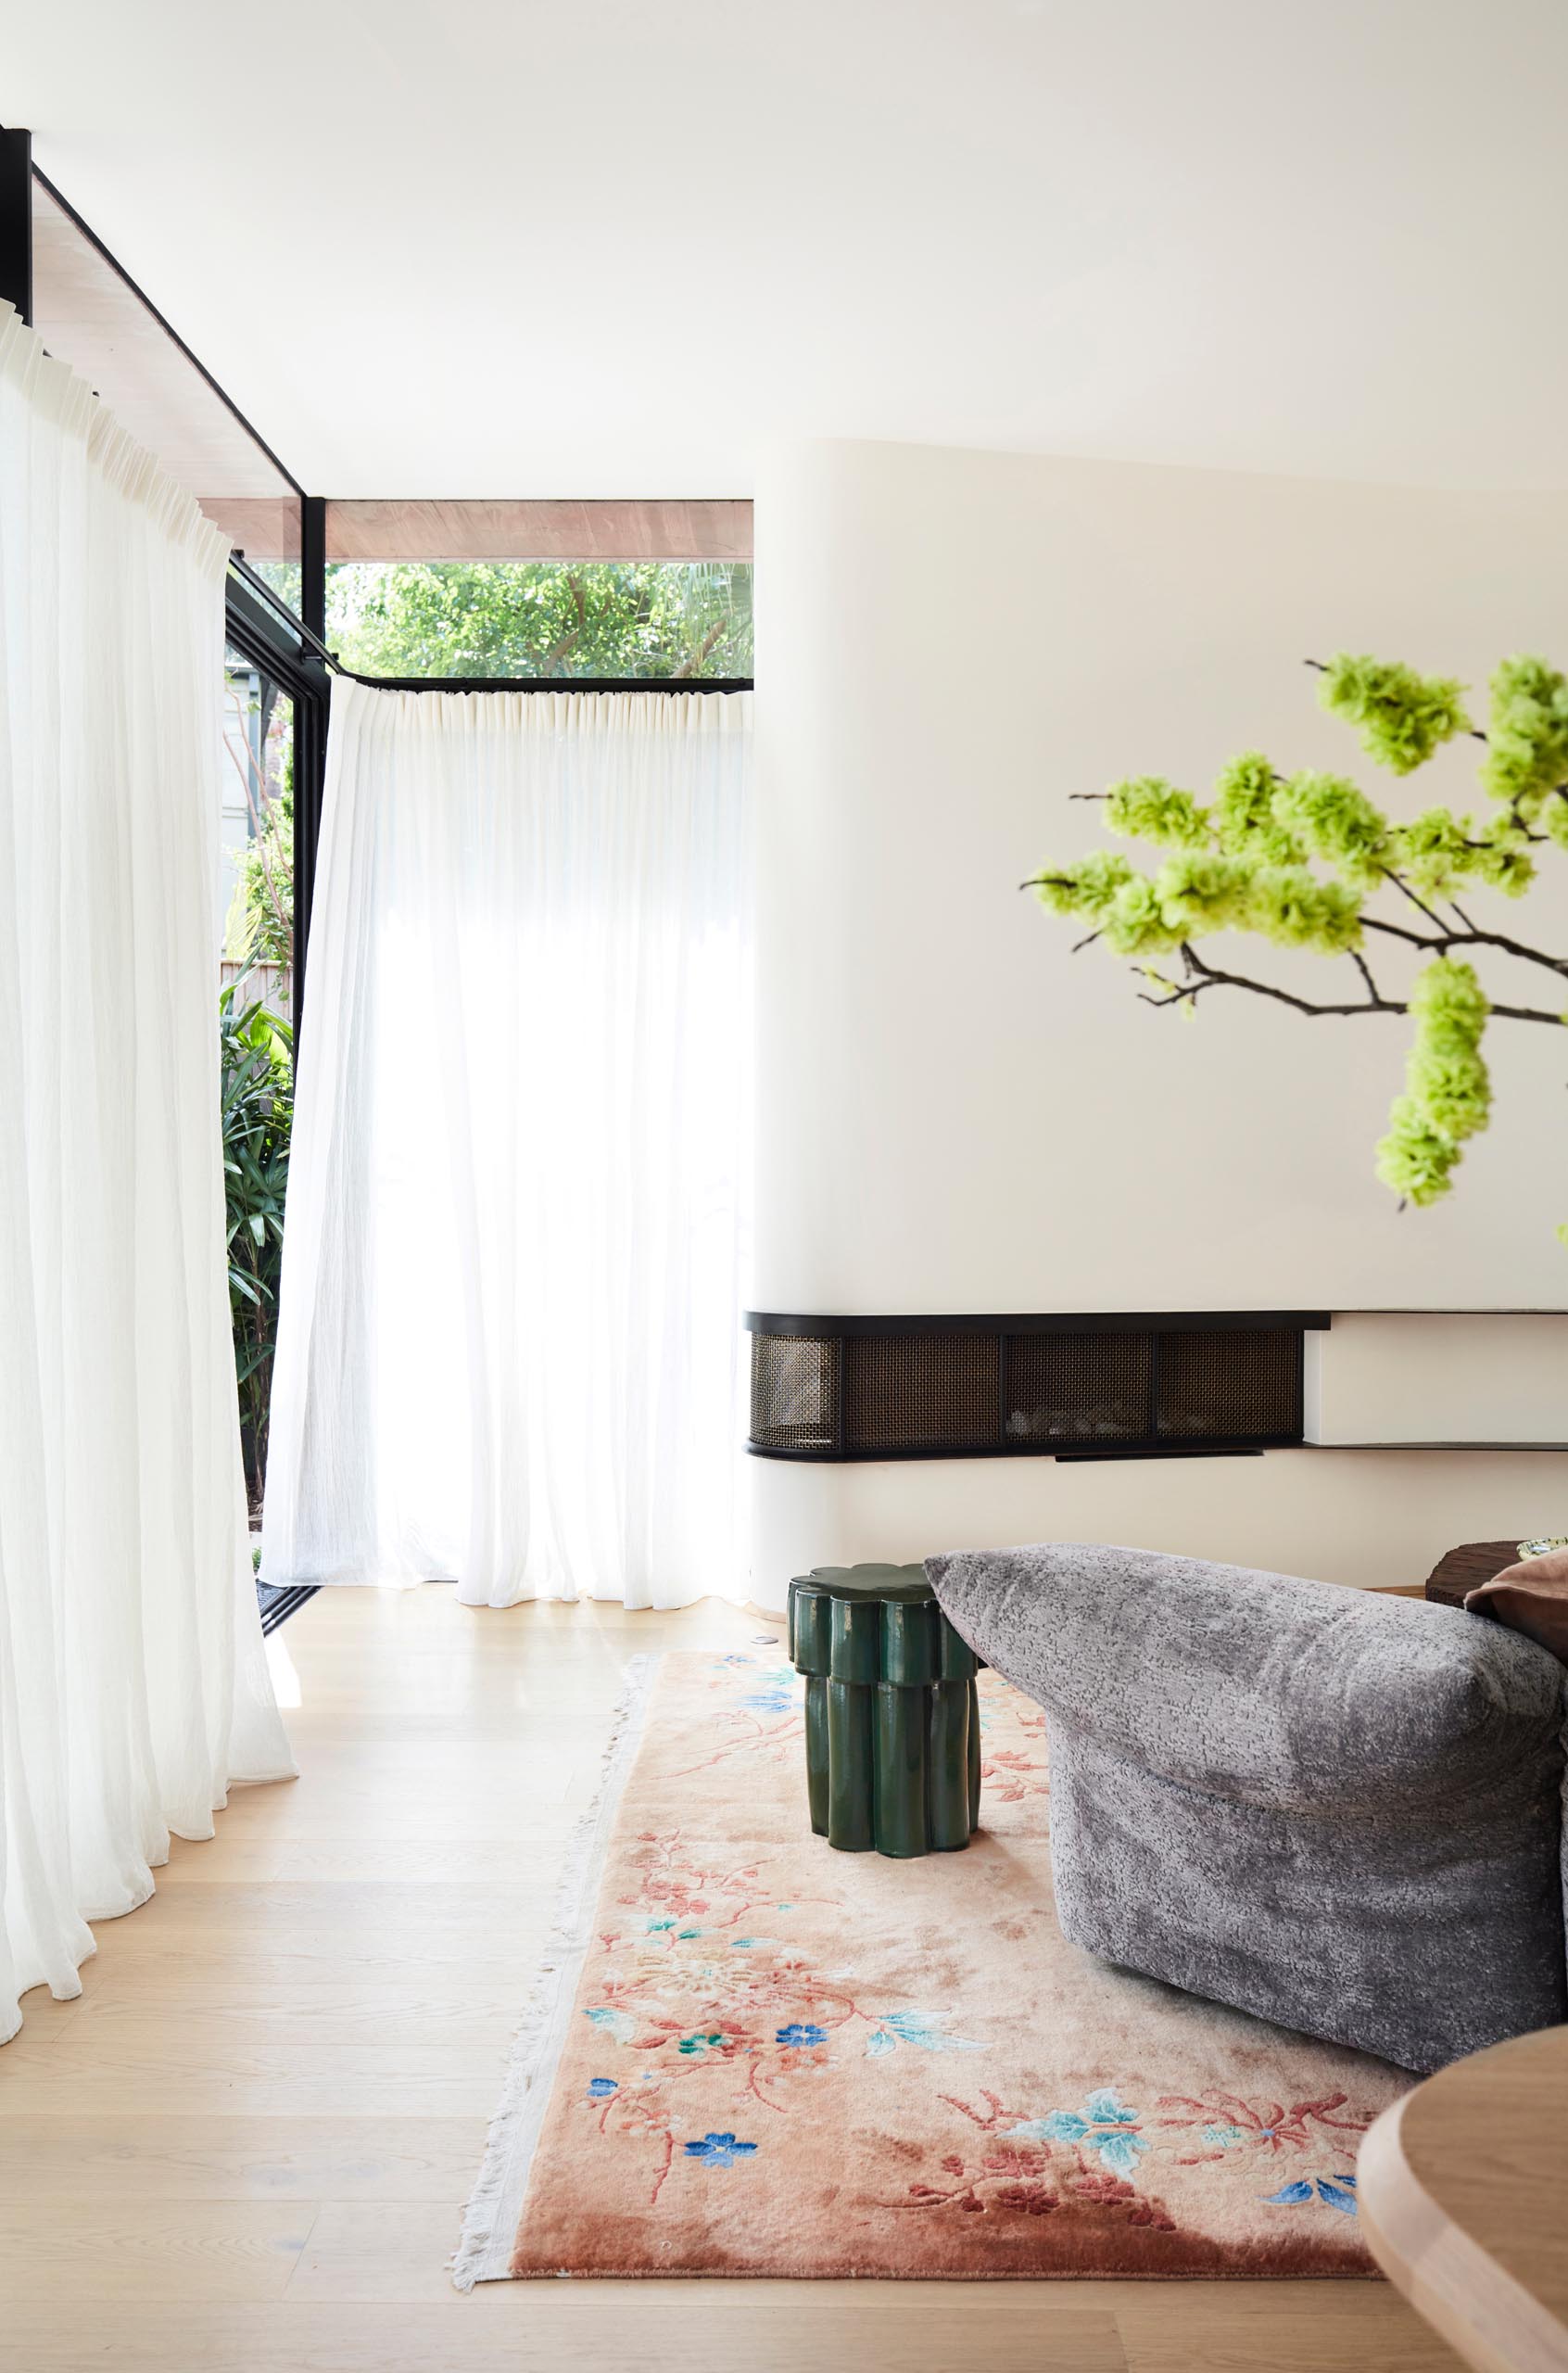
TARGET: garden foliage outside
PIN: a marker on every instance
(651, 619)
(256, 1075)
(257, 1090)
(624, 618)
(1296, 859)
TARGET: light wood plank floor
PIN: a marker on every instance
(245, 2147)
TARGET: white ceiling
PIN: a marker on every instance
(613, 246)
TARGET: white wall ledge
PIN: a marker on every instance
(1440, 1379)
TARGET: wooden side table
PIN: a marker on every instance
(1465, 1569)
(893, 1716)
(1464, 2193)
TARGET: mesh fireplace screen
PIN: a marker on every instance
(863, 1388)
(795, 1393)
(1244, 1382)
(1077, 1391)
(934, 1392)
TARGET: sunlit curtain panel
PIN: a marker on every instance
(509, 1339)
(133, 1684)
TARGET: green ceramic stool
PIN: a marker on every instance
(891, 1717)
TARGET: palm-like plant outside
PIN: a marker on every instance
(257, 1089)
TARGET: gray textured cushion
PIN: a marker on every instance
(1337, 1809)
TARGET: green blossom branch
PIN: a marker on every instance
(1208, 976)
(1203, 976)
(1360, 961)
(1394, 682)
(1294, 860)
(1441, 941)
(1401, 884)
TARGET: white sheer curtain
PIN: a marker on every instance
(133, 1685)
(509, 1343)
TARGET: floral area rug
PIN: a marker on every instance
(752, 2055)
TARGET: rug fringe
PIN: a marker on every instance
(514, 2130)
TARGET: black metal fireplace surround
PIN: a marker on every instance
(1125, 1385)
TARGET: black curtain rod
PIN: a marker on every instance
(279, 608)
(275, 602)
(549, 683)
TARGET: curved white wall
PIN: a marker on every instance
(1372, 1517)
(955, 1114)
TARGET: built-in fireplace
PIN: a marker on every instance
(1125, 1385)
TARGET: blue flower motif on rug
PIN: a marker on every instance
(1103, 2125)
(920, 2027)
(720, 2149)
(776, 1694)
(800, 2032)
(599, 2088)
(1335, 2191)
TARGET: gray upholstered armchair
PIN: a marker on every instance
(1334, 1808)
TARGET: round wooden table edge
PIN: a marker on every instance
(1463, 2291)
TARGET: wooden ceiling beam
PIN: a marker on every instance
(538, 530)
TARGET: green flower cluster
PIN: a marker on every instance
(1259, 817)
(1104, 891)
(1401, 718)
(1088, 888)
(1244, 817)
(1199, 891)
(1527, 741)
(1135, 922)
(1438, 852)
(1148, 808)
(1334, 819)
(1448, 1092)
(1294, 910)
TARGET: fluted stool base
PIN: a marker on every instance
(891, 1711)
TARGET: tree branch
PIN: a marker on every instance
(1437, 941)
(1399, 884)
(1364, 968)
(1206, 976)
(1471, 937)
(1513, 948)
(1398, 931)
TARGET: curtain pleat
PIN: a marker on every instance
(509, 1339)
(133, 1686)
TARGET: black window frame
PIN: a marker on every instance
(269, 637)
